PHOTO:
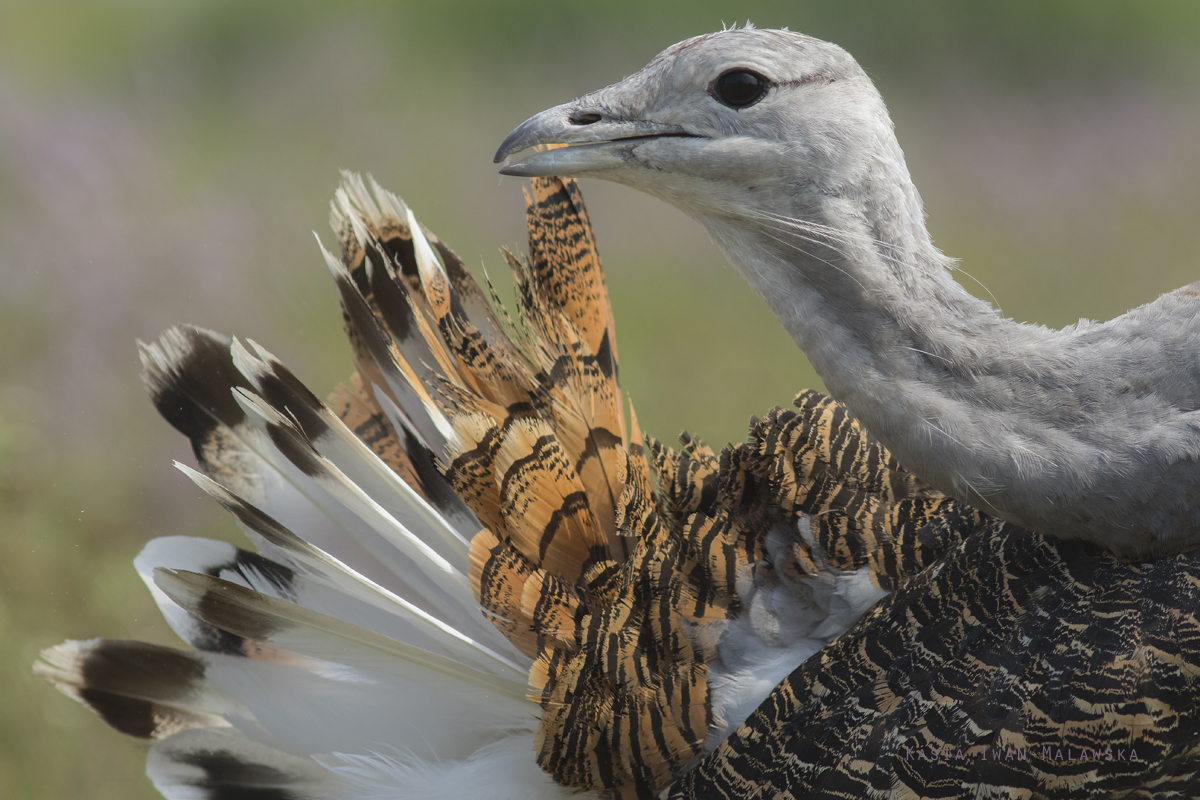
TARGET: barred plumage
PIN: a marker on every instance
(1016, 665)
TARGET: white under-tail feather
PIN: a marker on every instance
(406, 688)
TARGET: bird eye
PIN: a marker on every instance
(739, 88)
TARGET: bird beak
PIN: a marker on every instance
(595, 141)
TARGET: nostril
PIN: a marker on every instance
(583, 119)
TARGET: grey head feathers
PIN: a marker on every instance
(1090, 432)
(664, 131)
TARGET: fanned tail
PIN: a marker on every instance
(359, 599)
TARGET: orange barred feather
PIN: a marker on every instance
(611, 588)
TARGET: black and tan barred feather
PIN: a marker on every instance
(706, 532)
(572, 556)
(862, 507)
(1014, 666)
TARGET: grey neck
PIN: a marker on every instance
(1006, 416)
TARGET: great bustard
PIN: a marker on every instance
(474, 463)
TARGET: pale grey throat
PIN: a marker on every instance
(782, 148)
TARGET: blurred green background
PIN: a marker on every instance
(167, 161)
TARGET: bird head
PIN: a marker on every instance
(725, 124)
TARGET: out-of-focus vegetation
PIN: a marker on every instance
(164, 162)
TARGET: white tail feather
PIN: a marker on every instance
(327, 571)
(262, 618)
